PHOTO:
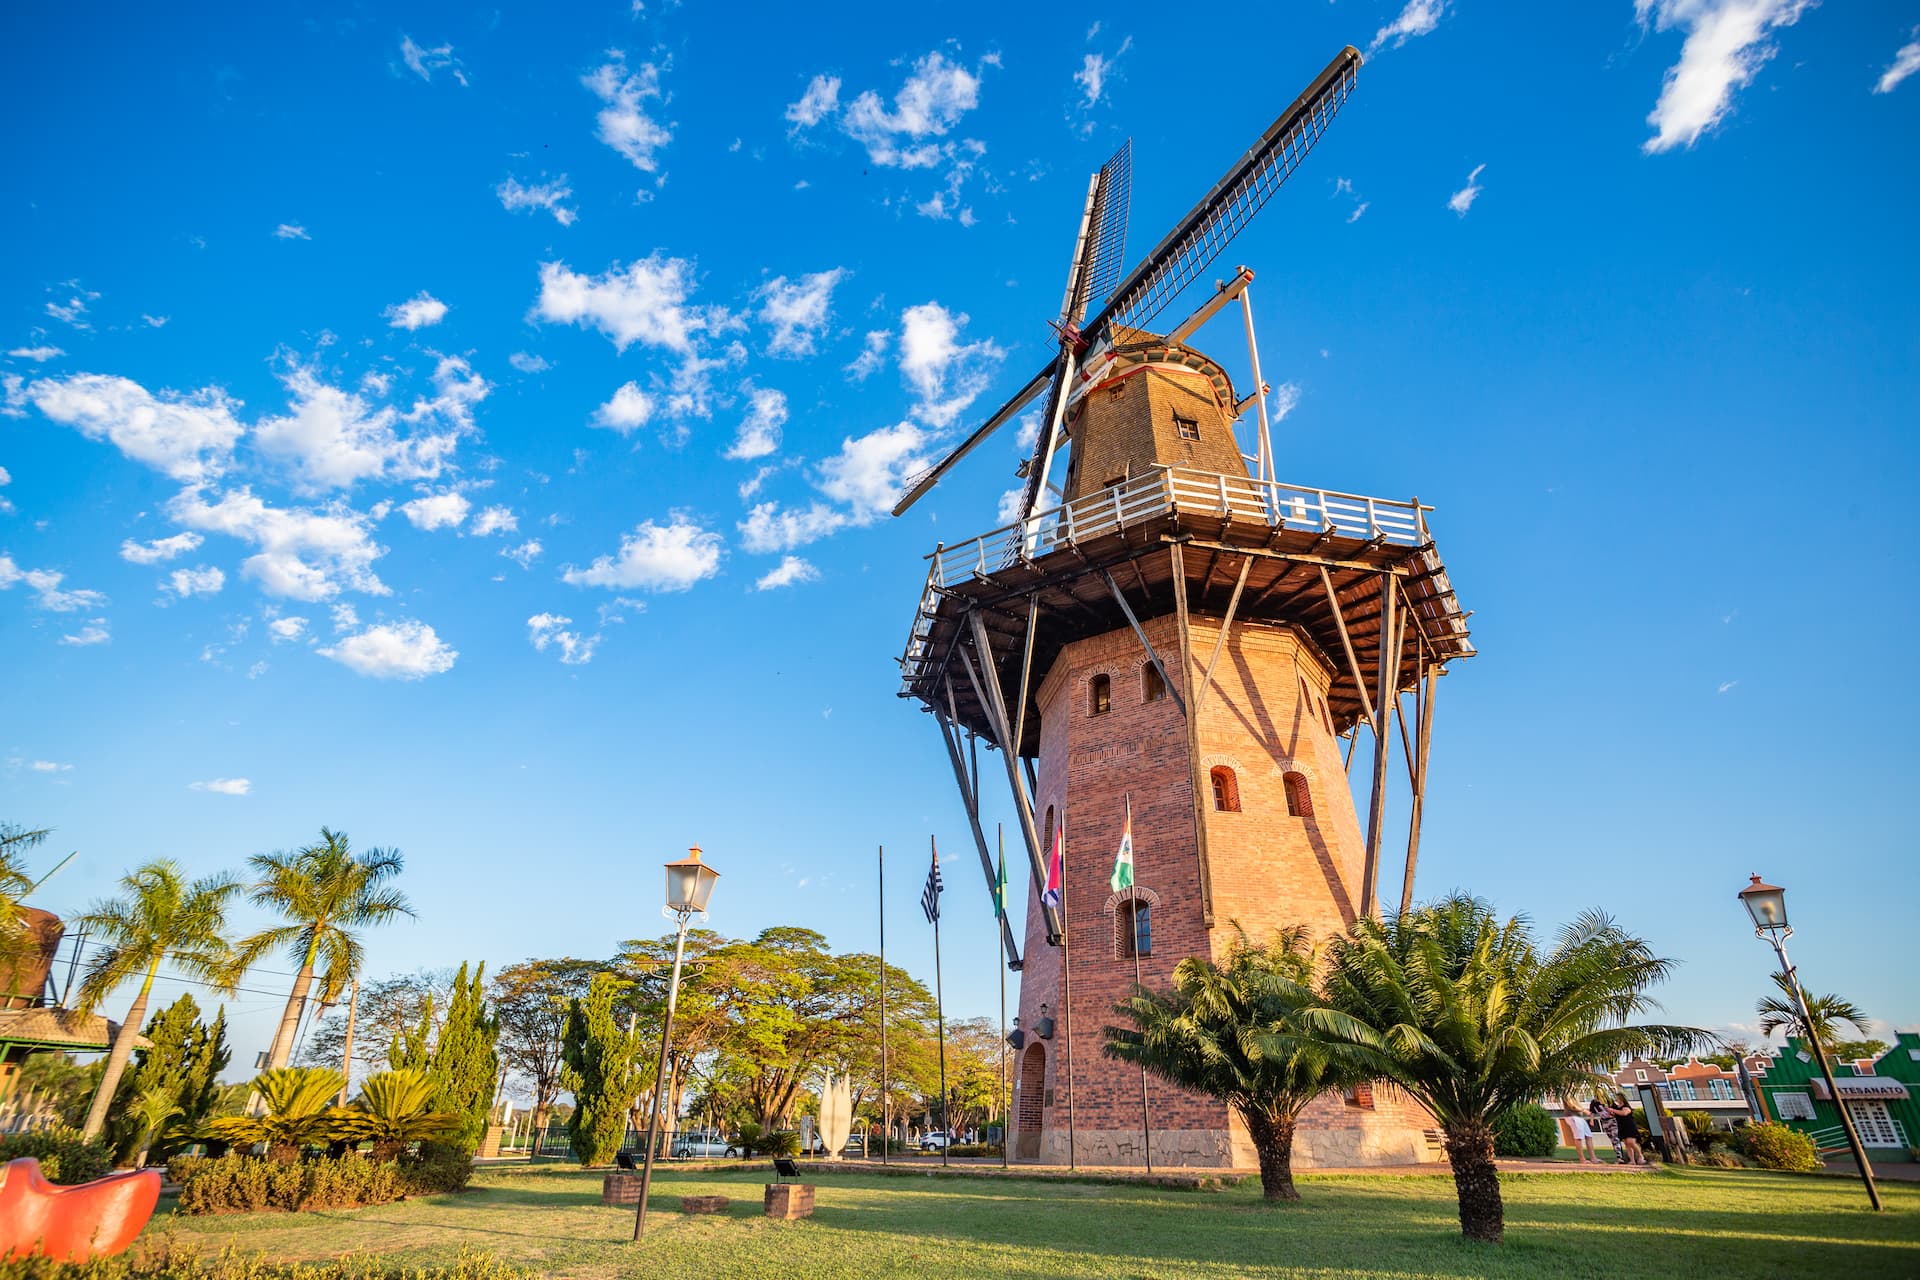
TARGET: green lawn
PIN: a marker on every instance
(1690, 1224)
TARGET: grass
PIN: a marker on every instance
(1686, 1223)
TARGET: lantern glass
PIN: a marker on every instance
(690, 883)
(1766, 903)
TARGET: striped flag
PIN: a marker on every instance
(1000, 889)
(1123, 861)
(930, 896)
(1051, 896)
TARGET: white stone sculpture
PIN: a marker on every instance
(836, 1113)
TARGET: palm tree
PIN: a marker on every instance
(152, 1108)
(299, 1111)
(1782, 1013)
(15, 884)
(1232, 1032)
(1466, 1015)
(160, 917)
(325, 892)
(396, 1108)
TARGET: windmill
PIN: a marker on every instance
(1173, 634)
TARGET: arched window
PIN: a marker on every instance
(1325, 717)
(1299, 799)
(1048, 852)
(1226, 790)
(1101, 700)
(1306, 694)
(1153, 686)
(1132, 929)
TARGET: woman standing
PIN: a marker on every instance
(1603, 1117)
(1629, 1132)
(1582, 1136)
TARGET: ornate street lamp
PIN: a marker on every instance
(689, 885)
(1767, 904)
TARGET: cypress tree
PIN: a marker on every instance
(604, 1070)
(466, 1060)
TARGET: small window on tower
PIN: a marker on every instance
(1226, 790)
(1152, 686)
(1188, 428)
(1299, 799)
(1133, 929)
(1102, 695)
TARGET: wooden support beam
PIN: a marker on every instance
(1377, 806)
(970, 798)
(1298, 557)
(1353, 745)
(1193, 738)
(987, 689)
(1026, 670)
(1154, 658)
(1346, 643)
(1220, 642)
(1425, 737)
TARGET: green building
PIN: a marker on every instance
(1879, 1092)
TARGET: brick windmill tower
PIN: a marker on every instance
(1172, 627)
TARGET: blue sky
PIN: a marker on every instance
(474, 430)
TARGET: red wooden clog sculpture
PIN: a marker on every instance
(72, 1224)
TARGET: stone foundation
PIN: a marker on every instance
(704, 1204)
(789, 1200)
(620, 1188)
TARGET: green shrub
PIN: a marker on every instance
(974, 1149)
(247, 1184)
(1775, 1146)
(1525, 1132)
(437, 1169)
(1701, 1135)
(172, 1261)
(1720, 1158)
(65, 1157)
(782, 1142)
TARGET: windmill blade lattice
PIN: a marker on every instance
(1108, 235)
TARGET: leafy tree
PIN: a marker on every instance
(1782, 1013)
(15, 884)
(183, 1061)
(530, 1002)
(160, 917)
(461, 1063)
(300, 1112)
(1236, 1031)
(325, 892)
(605, 1070)
(1469, 1017)
(396, 1108)
(56, 1082)
(1852, 1050)
(385, 1008)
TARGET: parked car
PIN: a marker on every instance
(704, 1146)
(934, 1142)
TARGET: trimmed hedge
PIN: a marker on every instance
(171, 1261)
(1775, 1146)
(1525, 1132)
(247, 1184)
(65, 1157)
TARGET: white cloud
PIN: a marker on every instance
(1358, 211)
(821, 100)
(424, 62)
(394, 651)
(869, 472)
(39, 355)
(791, 571)
(285, 630)
(928, 105)
(624, 123)
(1726, 686)
(306, 553)
(527, 363)
(495, 520)
(202, 580)
(627, 411)
(1462, 200)
(797, 311)
(768, 528)
(223, 786)
(946, 375)
(345, 617)
(74, 310)
(655, 557)
(1727, 44)
(1095, 70)
(94, 632)
(290, 231)
(50, 766)
(45, 584)
(1419, 18)
(333, 439)
(871, 357)
(417, 312)
(548, 630)
(155, 322)
(645, 302)
(436, 511)
(525, 554)
(187, 437)
(1905, 63)
(759, 433)
(550, 196)
(159, 549)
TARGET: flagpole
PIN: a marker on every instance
(940, 1012)
(1066, 967)
(999, 912)
(886, 1098)
(1133, 920)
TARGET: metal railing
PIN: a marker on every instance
(1833, 1138)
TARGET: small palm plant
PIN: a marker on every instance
(161, 917)
(299, 1112)
(1233, 1031)
(1782, 1013)
(394, 1109)
(1467, 1015)
(153, 1108)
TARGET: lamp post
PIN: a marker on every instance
(1767, 904)
(689, 885)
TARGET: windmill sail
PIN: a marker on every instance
(1176, 261)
